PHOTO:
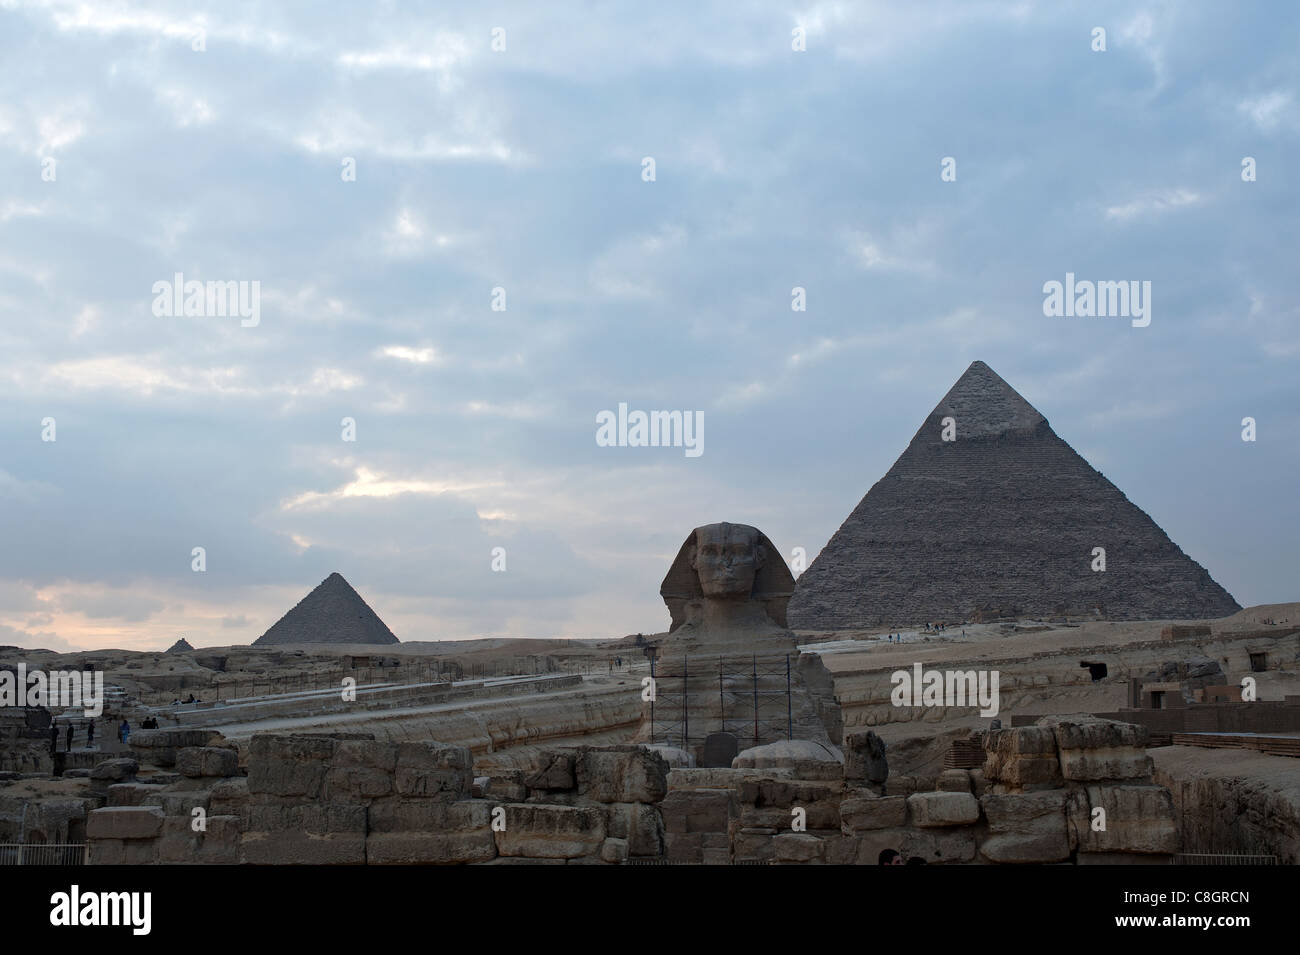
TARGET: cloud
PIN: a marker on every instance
(1267, 111)
(1153, 204)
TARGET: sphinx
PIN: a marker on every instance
(727, 579)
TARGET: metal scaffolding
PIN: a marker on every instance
(750, 712)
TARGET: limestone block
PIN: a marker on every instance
(415, 814)
(200, 761)
(684, 847)
(1139, 819)
(289, 765)
(556, 773)
(115, 770)
(220, 844)
(303, 848)
(675, 758)
(554, 832)
(699, 810)
(129, 794)
(124, 822)
(861, 813)
(1010, 848)
(1026, 827)
(122, 852)
(614, 850)
(180, 803)
(229, 796)
(1111, 764)
(900, 786)
(797, 847)
(433, 770)
(933, 809)
(954, 781)
(639, 824)
(1091, 732)
(430, 848)
(159, 747)
(621, 774)
(506, 786)
(719, 778)
(1094, 749)
(754, 845)
(178, 842)
(267, 813)
(864, 758)
(1022, 757)
(365, 754)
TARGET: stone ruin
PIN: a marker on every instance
(353, 800)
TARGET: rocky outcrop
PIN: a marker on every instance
(1233, 801)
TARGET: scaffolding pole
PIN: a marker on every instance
(789, 709)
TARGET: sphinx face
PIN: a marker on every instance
(727, 558)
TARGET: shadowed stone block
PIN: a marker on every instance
(858, 814)
(124, 822)
(551, 832)
(942, 809)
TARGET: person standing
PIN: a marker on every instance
(69, 746)
(90, 735)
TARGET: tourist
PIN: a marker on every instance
(889, 857)
(124, 731)
(54, 739)
(69, 746)
(90, 734)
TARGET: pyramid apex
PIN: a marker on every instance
(984, 405)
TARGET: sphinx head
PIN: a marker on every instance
(727, 558)
(727, 566)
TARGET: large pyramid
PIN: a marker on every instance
(1001, 521)
(332, 613)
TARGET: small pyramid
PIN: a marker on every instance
(332, 613)
(180, 646)
(1000, 521)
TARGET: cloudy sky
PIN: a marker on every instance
(212, 140)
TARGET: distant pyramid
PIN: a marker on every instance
(1001, 521)
(332, 613)
(180, 646)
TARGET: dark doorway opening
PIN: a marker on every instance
(1258, 662)
(1098, 671)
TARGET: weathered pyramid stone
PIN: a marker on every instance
(1001, 521)
(332, 613)
(180, 646)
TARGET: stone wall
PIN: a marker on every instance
(352, 799)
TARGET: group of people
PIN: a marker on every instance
(54, 736)
(123, 733)
(894, 857)
(178, 701)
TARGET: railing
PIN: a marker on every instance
(42, 854)
(1222, 858)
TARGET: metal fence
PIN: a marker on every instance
(42, 854)
(1221, 858)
